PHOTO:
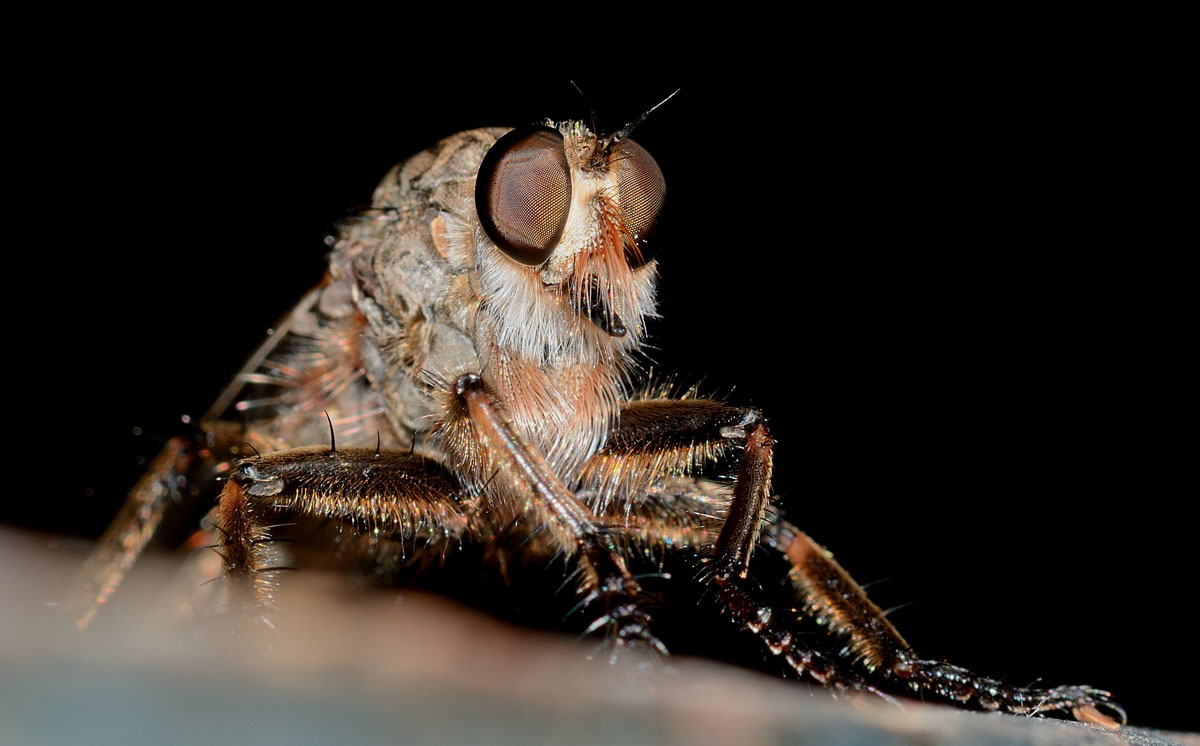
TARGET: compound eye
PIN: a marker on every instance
(642, 190)
(523, 193)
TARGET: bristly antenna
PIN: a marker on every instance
(378, 441)
(332, 443)
(251, 447)
(609, 140)
(591, 109)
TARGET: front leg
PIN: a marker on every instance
(521, 473)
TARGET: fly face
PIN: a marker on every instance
(530, 264)
(580, 209)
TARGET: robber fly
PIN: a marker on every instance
(468, 372)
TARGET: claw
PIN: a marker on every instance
(1084, 703)
(627, 626)
(1088, 705)
(602, 621)
(658, 645)
(1093, 706)
(1091, 714)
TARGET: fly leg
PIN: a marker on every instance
(731, 570)
(659, 438)
(182, 462)
(662, 437)
(574, 530)
(386, 493)
(830, 594)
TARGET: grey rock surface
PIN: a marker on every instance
(347, 669)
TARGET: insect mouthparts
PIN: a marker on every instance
(594, 305)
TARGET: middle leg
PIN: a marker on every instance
(663, 438)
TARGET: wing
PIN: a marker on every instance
(309, 364)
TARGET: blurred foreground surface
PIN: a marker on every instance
(344, 668)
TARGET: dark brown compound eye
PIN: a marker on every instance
(642, 191)
(523, 193)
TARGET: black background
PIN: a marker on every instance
(921, 262)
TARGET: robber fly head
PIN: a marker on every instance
(569, 215)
